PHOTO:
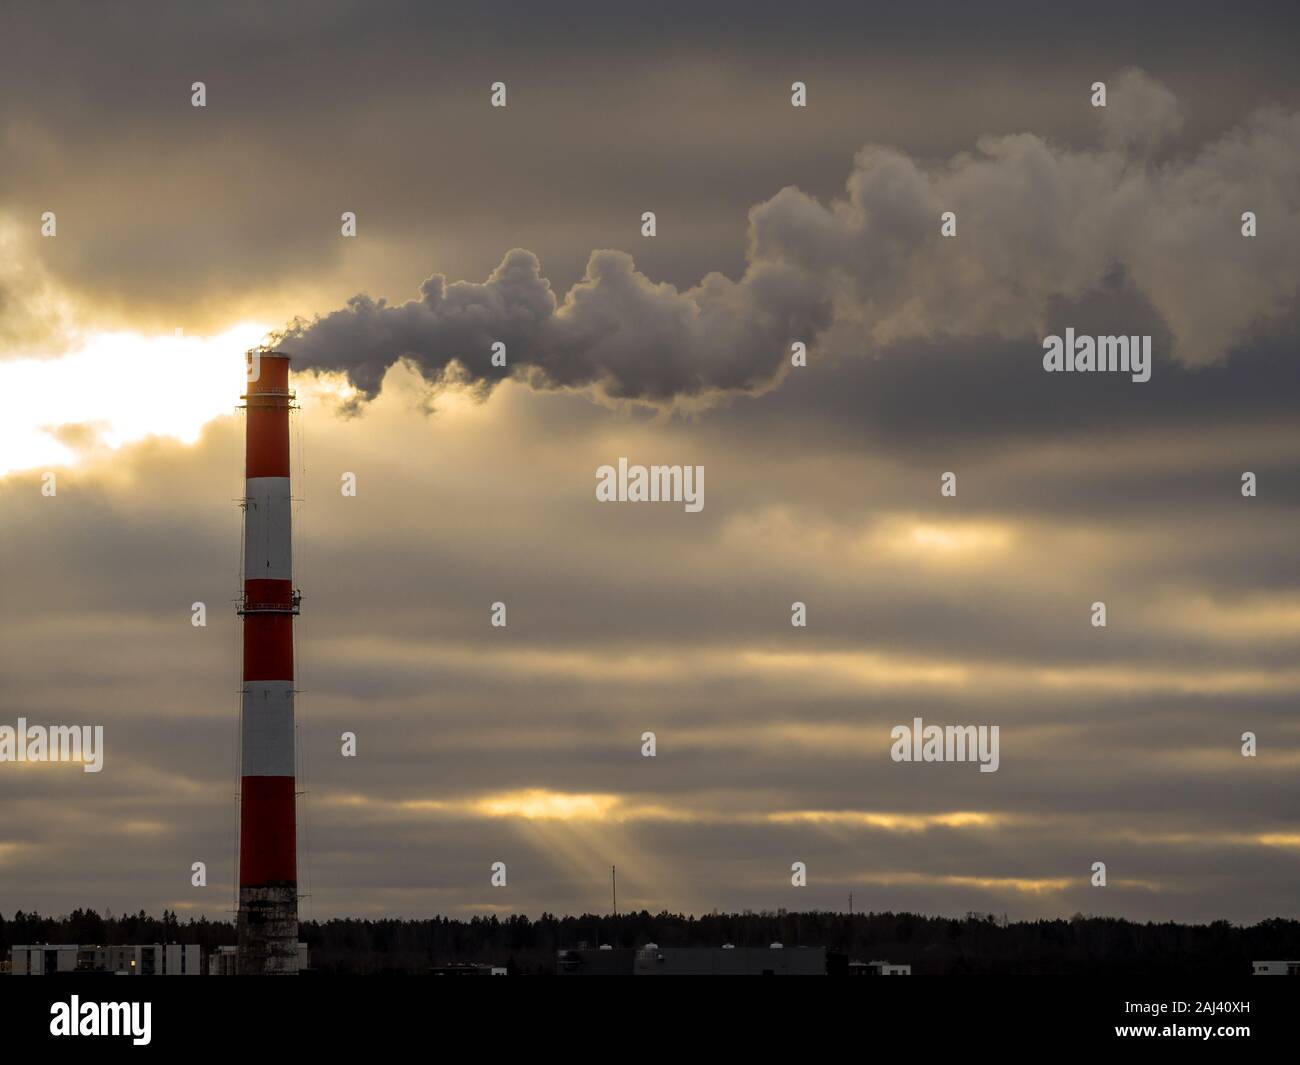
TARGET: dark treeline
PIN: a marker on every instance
(972, 945)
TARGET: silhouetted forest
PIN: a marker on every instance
(976, 944)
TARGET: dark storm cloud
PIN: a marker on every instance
(1038, 227)
(976, 402)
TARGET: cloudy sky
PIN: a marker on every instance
(184, 234)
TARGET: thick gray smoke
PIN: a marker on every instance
(616, 332)
(1036, 224)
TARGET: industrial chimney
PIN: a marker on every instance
(268, 867)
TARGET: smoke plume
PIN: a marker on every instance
(1037, 224)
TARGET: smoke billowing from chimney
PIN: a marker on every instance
(1037, 225)
(616, 331)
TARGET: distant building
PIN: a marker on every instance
(221, 962)
(776, 960)
(149, 959)
(43, 959)
(467, 969)
(607, 961)
(727, 960)
(878, 968)
(156, 959)
(1277, 968)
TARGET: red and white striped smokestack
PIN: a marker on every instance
(268, 866)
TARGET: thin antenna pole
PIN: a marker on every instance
(613, 877)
